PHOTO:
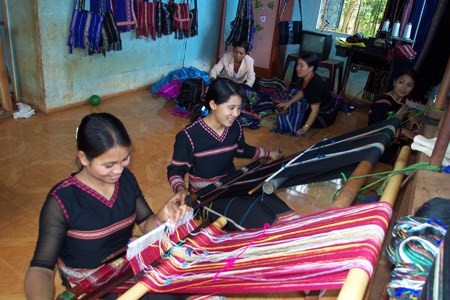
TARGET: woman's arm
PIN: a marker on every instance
(251, 75)
(285, 105)
(39, 284)
(218, 67)
(311, 118)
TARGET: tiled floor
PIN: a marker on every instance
(40, 151)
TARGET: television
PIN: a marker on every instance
(316, 42)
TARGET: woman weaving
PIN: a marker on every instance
(205, 150)
(91, 214)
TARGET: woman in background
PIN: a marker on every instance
(205, 151)
(388, 104)
(237, 66)
(312, 106)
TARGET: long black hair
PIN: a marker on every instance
(220, 90)
(311, 59)
(100, 132)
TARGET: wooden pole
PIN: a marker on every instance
(355, 284)
(441, 142)
(444, 131)
(352, 186)
(5, 94)
(444, 87)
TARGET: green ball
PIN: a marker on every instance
(95, 100)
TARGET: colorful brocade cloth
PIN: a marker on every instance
(89, 280)
(298, 253)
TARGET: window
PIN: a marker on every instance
(351, 16)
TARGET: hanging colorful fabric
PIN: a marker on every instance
(243, 26)
(111, 34)
(290, 32)
(181, 20)
(85, 29)
(194, 20)
(124, 14)
(146, 25)
(163, 18)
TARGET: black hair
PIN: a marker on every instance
(242, 44)
(100, 132)
(311, 59)
(411, 72)
(220, 90)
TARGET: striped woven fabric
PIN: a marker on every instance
(181, 20)
(146, 19)
(91, 279)
(298, 253)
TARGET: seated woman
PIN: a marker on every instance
(237, 66)
(91, 214)
(312, 106)
(389, 104)
(205, 151)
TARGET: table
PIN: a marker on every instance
(371, 59)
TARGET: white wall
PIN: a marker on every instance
(48, 77)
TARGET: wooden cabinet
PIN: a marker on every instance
(268, 55)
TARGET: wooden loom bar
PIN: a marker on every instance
(357, 280)
(139, 289)
(352, 186)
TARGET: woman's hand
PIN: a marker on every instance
(283, 105)
(179, 196)
(276, 154)
(173, 211)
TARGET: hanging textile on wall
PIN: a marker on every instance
(146, 23)
(85, 29)
(194, 19)
(181, 20)
(124, 14)
(290, 32)
(243, 26)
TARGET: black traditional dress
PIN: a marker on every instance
(207, 157)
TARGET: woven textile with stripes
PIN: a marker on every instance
(297, 253)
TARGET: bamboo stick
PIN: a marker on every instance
(352, 186)
(357, 280)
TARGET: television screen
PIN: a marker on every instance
(316, 42)
(313, 43)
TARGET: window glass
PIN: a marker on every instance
(351, 16)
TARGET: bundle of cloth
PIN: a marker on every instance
(25, 111)
(426, 146)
